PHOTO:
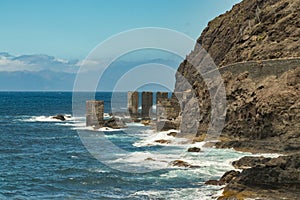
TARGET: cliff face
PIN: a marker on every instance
(262, 96)
(254, 30)
(263, 108)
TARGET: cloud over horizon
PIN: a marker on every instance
(35, 63)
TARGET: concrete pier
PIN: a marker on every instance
(133, 104)
(94, 113)
(147, 103)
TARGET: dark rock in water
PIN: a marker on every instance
(59, 117)
(163, 141)
(172, 134)
(114, 123)
(180, 163)
(272, 178)
(226, 178)
(194, 149)
(212, 182)
(149, 159)
(146, 122)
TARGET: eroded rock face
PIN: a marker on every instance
(265, 111)
(254, 30)
(259, 110)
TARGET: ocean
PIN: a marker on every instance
(44, 158)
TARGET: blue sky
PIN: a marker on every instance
(70, 29)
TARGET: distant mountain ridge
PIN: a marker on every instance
(40, 72)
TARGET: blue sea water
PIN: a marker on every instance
(42, 158)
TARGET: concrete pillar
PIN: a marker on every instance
(147, 102)
(160, 110)
(133, 104)
(94, 113)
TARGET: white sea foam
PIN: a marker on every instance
(43, 118)
(90, 128)
(203, 193)
(152, 160)
(134, 124)
(150, 137)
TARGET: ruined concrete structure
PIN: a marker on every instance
(147, 103)
(133, 104)
(94, 113)
(166, 108)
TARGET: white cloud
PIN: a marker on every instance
(15, 65)
(35, 63)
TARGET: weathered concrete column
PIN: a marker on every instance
(147, 102)
(133, 104)
(94, 113)
(160, 97)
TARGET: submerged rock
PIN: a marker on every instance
(59, 117)
(180, 163)
(172, 134)
(162, 141)
(194, 149)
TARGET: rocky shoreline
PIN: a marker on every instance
(265, 178)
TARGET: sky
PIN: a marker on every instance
(70, 29)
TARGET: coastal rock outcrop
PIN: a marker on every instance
(269, 178)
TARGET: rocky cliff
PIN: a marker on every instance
(261, 105)
(262, 96)
(254, 30)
